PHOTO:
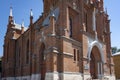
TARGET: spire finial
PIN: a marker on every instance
(31, 13)
(22, 23)
(11, 11)
(31, 17)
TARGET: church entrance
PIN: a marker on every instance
(95, 63)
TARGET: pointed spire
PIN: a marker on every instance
(31, 13)
(11, 11)
(10, 20)
(31, 17)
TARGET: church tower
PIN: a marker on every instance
(9, 47)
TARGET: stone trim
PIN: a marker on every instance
(96, 43)
(77, 43)
(56, 76)
(9, 78)
(67, 54)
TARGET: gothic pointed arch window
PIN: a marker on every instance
(74, 54)
(27, 52)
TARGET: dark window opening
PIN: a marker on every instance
(70, 26)
(78, 56)
(74, 54)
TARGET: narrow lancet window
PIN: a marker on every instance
(70, 27)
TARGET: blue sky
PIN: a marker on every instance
(114, 15)
(21, 11)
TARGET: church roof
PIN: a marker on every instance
(116, 54)
(46, 22)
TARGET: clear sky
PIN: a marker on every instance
(21, 11)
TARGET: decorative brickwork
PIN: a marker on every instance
(70, 41)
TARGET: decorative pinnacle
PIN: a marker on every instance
(22, 23)
(11, 11)
(31, 13)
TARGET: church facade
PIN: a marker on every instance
(70, 41)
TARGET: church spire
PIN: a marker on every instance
(11, 16)
(31, 13)
(11, 12)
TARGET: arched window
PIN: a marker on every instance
(27, 52)
(74, 54)
(70, 26)
(78, 55)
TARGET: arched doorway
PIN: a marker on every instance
(95, 63)
(42, 61)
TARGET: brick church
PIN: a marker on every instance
(69, 41)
